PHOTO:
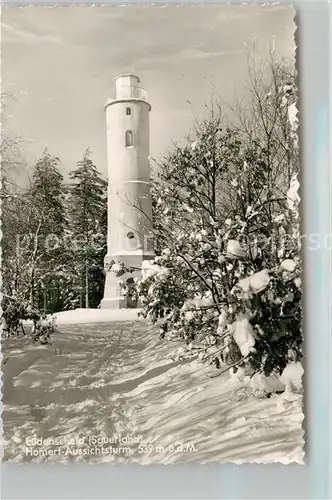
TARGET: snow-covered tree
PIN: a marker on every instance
(33, 226)
(47, 221)
(267, 114)
(12, 198)
(227, 276)
(11, 143)
(88, 225)
(14, 223)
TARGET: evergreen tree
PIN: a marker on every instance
(88, 217)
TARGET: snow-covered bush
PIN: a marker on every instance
(227, 276)
(42, 330)
(269, 335)
(16, 312)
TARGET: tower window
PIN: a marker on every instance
(129, 138)
(130, 235)
(128, 111)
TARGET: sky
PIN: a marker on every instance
(60, 63)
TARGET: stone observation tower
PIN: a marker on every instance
(129, 233)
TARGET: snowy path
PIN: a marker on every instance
(103, 380)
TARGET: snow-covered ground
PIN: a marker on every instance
(106, 378)
(95, 316)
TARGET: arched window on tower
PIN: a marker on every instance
(129, 138)
(128, 111)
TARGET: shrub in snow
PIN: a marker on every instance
(210, 292)
(224, 281)
(16, 311)
(42, 330)
(275, 315)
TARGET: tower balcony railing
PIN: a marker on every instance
(129, 92)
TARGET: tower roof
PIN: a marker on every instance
(123, 75)
(127, 88)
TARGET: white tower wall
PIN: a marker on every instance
(129, 237)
